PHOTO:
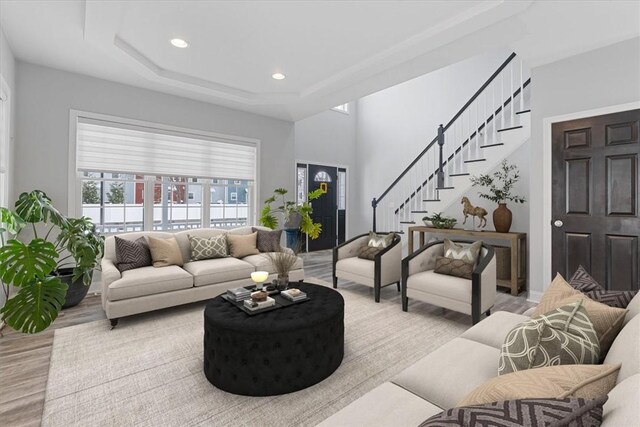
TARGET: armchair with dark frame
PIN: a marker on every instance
(384, 270)
(473, 297)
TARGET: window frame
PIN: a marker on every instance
(5, 140)
(75, 176)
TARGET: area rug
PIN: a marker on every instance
(148, 371)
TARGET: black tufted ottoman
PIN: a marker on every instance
(276, 352)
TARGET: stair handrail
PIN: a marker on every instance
(376, 201)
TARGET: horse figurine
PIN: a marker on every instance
(469, 209)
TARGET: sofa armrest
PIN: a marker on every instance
(109, 275)
(483, 284)
(530, 311)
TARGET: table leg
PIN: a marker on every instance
(514, 266)
(422, 238)
(410, 241)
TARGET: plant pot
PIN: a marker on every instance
(502, 218)
(282, 282)
(77, 289)
(294, 221)
(293, 236)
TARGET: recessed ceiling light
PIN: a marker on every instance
(278, 76)
(179, 43)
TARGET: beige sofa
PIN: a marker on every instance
(149, 288)
(442, 378)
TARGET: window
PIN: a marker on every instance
(342, 189)
(322, 176)
(301, 186)
(342, 108)
(134, 177)
(4, 144)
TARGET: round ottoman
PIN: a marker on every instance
(276, 352)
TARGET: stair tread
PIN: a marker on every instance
(431, 200)
(510, 128)
(523, 112)
(459, 174)
(445, 188)
(407, 222)
(491, 145)
(475, 160)
(419, 211)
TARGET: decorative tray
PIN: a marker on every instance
(281, 302)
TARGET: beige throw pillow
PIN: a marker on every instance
(585, 381)
(607, 321)
(165, 252)
(241, 246)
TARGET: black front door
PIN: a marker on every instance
(325, 208)
(595, 198)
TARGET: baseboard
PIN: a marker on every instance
(534, 296)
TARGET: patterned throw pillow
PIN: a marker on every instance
(467, 252)
(268, 241)
(132, 254)
(607, 321)
(380, 240)
(557, 382)
(454, 267)
(368, 252)
(563, 336)
(208, 247)
(570, 411)
(582, 281)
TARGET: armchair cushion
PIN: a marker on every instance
(358, 266)
(454, 267)
(466, 252)
(451, 287)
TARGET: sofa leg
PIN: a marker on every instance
(488, 312)
(335, 282)
(114, 323)
(405, 304)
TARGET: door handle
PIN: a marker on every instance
(557, 223)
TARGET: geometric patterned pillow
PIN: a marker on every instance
(268, 241)
(368, 252)
(582, 281)
(468, 252)
(570, 411)
(563, 336)
(132, 254)
(454, 267)
(208, 247)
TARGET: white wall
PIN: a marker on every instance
(46, 95)
(7, 71)
(596, 79)
(329, 138)
(395, 124)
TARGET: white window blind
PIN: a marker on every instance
(117, 147)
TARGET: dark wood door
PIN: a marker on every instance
(595, 198)
(325, 208)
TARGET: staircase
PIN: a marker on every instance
(490, 126)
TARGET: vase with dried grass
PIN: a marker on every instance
(282, 263)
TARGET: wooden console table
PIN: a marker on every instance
(517, 243)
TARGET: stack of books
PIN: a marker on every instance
(294, 294)
(238, 294)
(254, 305)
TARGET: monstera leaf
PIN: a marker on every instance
(9, 223)
(36, 207)
(35, 306)
(22, 263)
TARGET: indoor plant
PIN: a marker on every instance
(440, 221)
(49, 272)
(297, 217)
(283, 262)
(499, 186)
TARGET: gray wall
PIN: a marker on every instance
(395, 124)
(329, 138)
(596, 79)
(46, 95)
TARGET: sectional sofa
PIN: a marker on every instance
(444, 377)
(150, 288)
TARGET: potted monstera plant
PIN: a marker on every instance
(52, 270)
(297, 217)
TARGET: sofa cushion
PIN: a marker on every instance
(241, 246)
(385, 405)
(622, 408)
(132, 254)
(263, 263)
(210, 271)
(149, 280)
(607, 321)
(563, 336)
(493, 330)
(626, 350)
(455, 288)
(524, 412)
(165, 252)
(268, 241)
(208, 247)
(582, 281)
(586, 381)
(357, 266)
(450, 372)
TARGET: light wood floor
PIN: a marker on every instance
(24, 359)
